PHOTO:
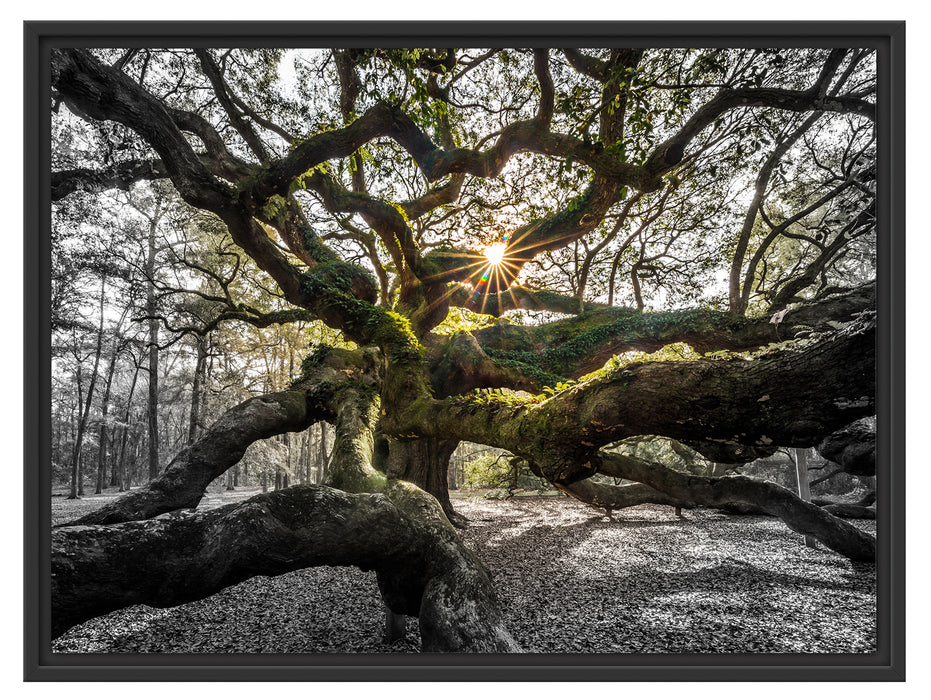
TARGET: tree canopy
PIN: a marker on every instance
(547, 251)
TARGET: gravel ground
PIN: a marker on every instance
(569, 580)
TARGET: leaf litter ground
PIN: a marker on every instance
(569, 579)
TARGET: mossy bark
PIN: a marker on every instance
(790, 396)
(425, 463)
(350, 467)
(575, 346)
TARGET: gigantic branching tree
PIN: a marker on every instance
(492, 233)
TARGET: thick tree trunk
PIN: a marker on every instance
(399, 535)
(424, 462)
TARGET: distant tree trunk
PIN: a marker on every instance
(138, 459)
(322, 456)
(75, 453)
(287, 436)
(77, 477)
(153, 352)
(287, 443)
(119, 473)
(452, 475)
(804, 491)
(196, 389)
(56, 436)
(103, 434)
(302, 459)
(513, 476)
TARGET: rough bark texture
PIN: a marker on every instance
(791, 397)
(171, 560)
(574, 346)
(350, 465)
(853, 447)
(851, 511)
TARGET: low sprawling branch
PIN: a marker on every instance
(611, 497)
(801, 516)
(184, 481)
(168, 561)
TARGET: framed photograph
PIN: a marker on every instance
(464, 351)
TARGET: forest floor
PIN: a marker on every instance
(569, 580)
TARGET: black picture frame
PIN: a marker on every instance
(887, 664)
